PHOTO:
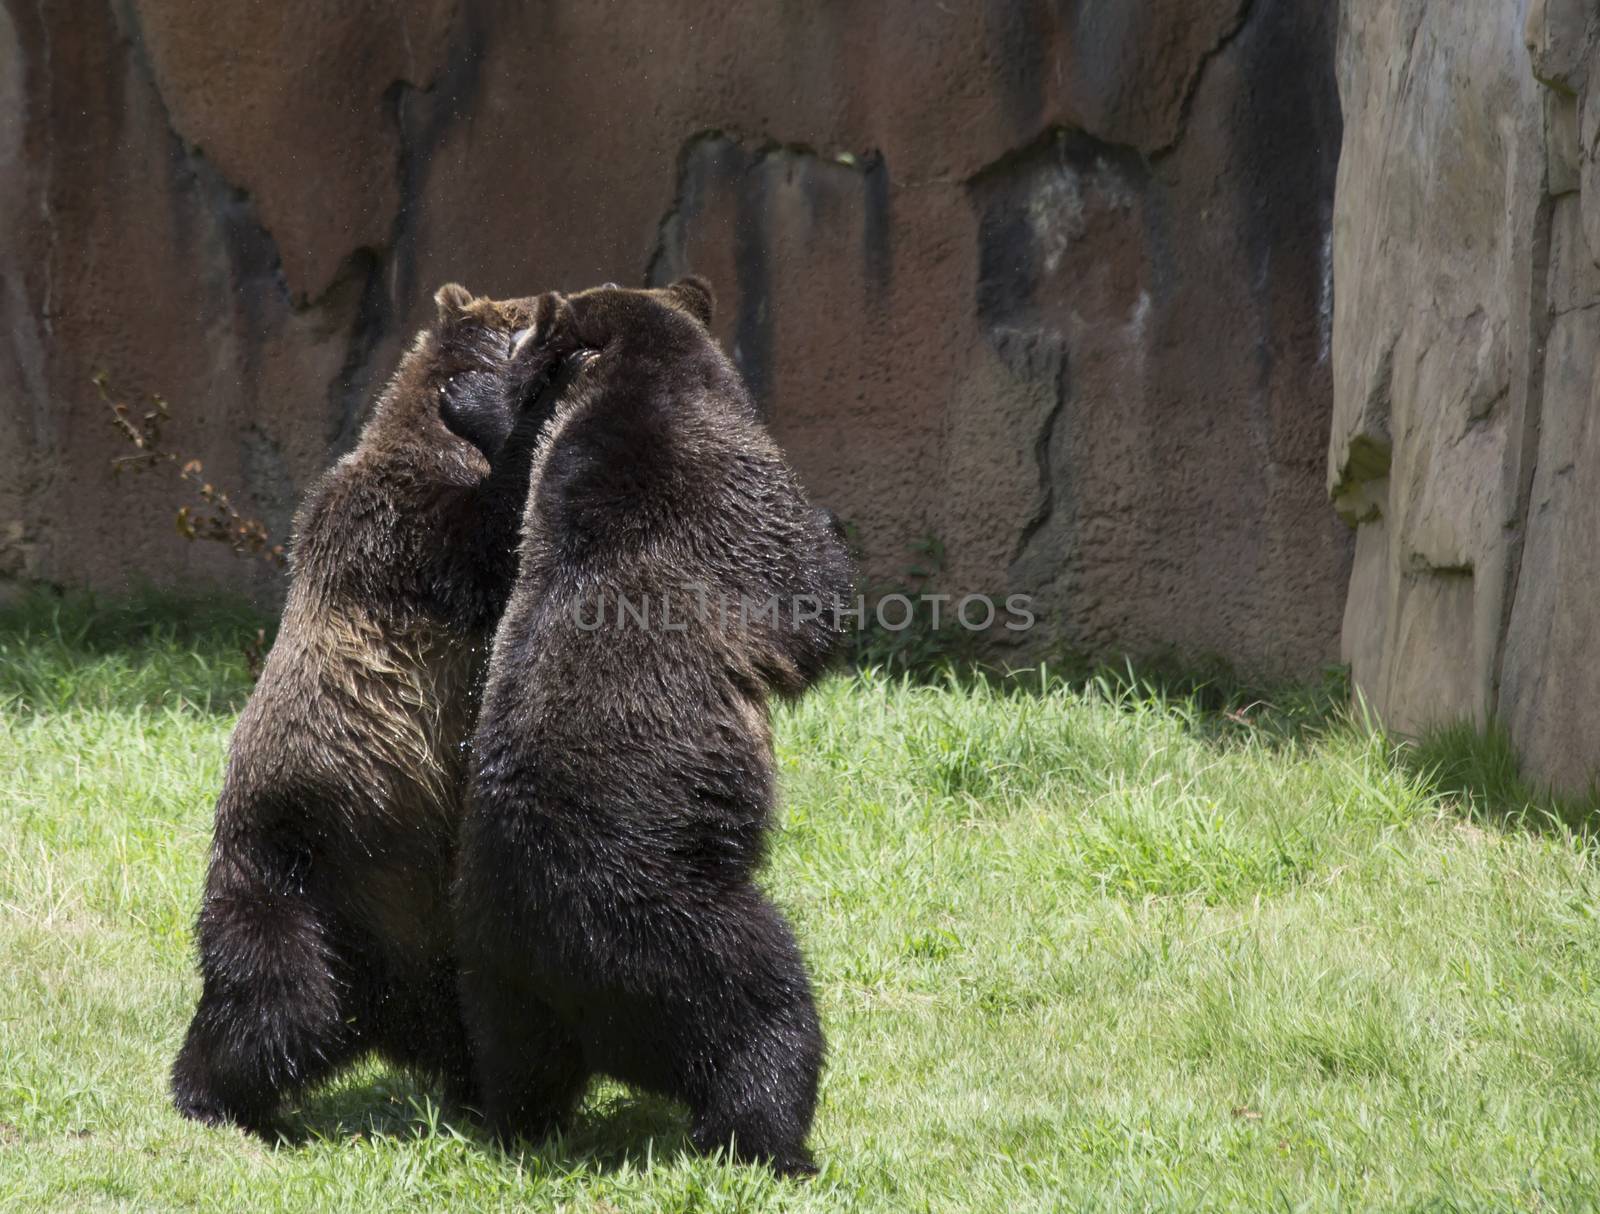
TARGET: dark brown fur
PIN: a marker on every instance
(608, 917)
(324, 930)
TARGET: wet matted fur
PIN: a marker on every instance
(324, 929)
(622, 787)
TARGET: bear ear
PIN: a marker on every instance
(452, 300)
(550, 324)
(695, 296)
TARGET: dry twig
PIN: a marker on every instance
(215, 517)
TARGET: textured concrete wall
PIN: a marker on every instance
(1045, 279)
(1465, 338)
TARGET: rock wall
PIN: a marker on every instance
(1465, 338)
(1045, 279)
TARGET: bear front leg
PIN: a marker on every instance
(528, 1068)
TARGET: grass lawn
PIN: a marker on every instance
(1077, 947)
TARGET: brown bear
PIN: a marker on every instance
(622, 779)
(324, 931)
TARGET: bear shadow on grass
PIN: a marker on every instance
(613, 1128)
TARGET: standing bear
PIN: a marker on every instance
(672, 577)
(324, 930)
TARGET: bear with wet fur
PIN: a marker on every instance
(324, 930)
(608, 918)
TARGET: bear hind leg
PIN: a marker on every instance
(758, 1100)
(271, 1017)
(759, 1103)
(427, 1036)
(528, 1069)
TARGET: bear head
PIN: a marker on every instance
(567, 333)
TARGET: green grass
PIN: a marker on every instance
(1077, 947)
